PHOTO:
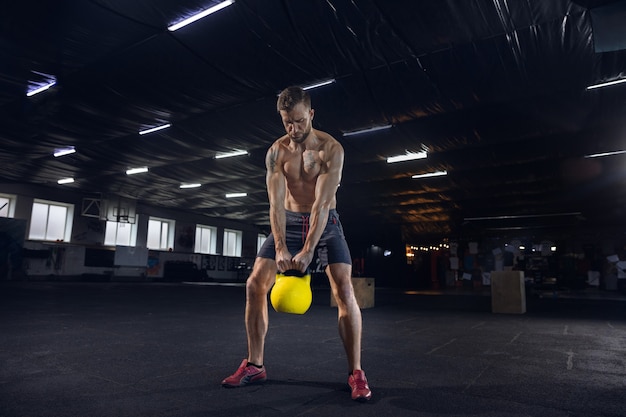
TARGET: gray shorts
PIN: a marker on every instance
(331, 249)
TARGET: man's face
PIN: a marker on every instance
(297, 122)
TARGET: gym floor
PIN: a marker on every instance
(148, 349)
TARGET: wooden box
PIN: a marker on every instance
(363, 290)
(508, 293)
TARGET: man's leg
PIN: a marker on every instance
(349, 314)
(258, 285)
(350, 327)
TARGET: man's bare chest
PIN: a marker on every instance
(303, 166)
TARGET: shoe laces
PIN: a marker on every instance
(251, 370)
(359, 382)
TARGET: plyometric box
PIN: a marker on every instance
(363, 290)
(508, 293)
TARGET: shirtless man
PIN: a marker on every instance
(303, 172)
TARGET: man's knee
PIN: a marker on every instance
(260, 281)
(344, 292)
(255, 285)
(341, 280)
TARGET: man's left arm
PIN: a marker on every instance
(325, 196)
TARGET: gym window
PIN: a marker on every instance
(120, 233)
(260, 239)
(7, 205)
(160, 233)
(232, 242)
(51, 221)
(206, 237)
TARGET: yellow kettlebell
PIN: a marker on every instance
(292, 292)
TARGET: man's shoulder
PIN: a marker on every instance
(327, 139)
(280, 142)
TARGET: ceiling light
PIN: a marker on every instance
(598, 155)
(320, 84)
(431, 174)
(606, 84)
(221, 155)
(200, 15)
(523, 216)
(154, 129)
(64, 151)
(409, 156)
(140, 170)
(234, 195)
(196, 185)
(368, 130)
(65, 181)
(40, 89)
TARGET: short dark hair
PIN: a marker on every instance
(291, 96)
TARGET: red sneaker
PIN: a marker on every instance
(358, 385)
(245, 375)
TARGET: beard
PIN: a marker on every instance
(301, 137)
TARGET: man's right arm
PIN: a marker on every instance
(275, 181)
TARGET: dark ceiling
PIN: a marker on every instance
(495, 90)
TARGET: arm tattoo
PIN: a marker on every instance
(271, 160)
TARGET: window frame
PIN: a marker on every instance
(68, 222)
(10, 210)
(212, 244)
(171, 224)
(238, 242)
(260, 239)
(132, 240)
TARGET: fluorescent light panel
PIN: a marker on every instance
(65, 181)
(525, 216)
(200, 15)
(234, 195)
(154, 129)
(320, 84)
(606, 84)
(431, 174)
(64, 151)
(221, 155)
(40, 89)
(409, 156)
(133, 171)
(598, 155)
(195, 185)
(368, 130)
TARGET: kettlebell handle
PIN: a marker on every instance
(294, 273)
